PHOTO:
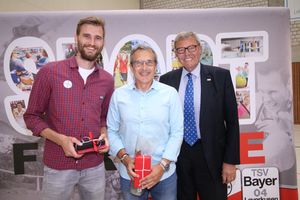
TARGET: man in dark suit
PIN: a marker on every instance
(206, 163)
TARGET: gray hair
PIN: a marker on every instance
(184, 35)
(142, 48)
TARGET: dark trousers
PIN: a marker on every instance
(194, 176)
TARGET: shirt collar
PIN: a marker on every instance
(195, 72)
(73, 63)
(153, 86)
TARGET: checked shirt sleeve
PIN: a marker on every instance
(38, 102)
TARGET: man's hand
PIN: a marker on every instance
(153, 178)
(129, 164)
(103, 136)
(105, 147)
(228, 173)
(67, 144)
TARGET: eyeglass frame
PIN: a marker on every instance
(186, 48)
(141, 63)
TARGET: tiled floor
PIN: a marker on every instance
(297, 145)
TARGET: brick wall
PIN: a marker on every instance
(170, 4)
(295, 33)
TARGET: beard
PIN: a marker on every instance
(86, 56)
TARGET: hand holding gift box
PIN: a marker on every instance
(142, 168)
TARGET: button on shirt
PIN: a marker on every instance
(149, 121)
(71, 108)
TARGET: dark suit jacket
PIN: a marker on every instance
(219, 126)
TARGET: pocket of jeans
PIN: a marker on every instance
(48, 170)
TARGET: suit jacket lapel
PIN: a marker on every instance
(177, 79)
(207, 98)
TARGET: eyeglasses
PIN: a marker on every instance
(141, 63)
(191, 48)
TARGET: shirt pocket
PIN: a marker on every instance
(95, 101)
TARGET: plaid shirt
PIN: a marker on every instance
(59, 100)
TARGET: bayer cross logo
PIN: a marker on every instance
(234, 187)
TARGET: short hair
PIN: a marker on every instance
(142, 48)
(95, 21)
(184, 35)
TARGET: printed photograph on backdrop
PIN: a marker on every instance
(24, 65)
(68, 49)
(206, 54)
(252, 45)
(15, 107)
(243, 78)
(243, 102)
(175, 62)
(242, 74)
(23, 58)
(121, 65)
(65, 48)
(18, 109)
(242, 47)
(274, 100)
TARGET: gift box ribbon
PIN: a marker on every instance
(142, 168)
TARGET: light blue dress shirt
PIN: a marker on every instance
(149, 121)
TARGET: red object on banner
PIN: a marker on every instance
(236, 196)
(288, 194)
(142, 168)
(246, 146)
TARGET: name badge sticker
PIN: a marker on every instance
(67, 84)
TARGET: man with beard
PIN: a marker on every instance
(69, 100)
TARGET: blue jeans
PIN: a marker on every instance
(165, 189)
(60, 184)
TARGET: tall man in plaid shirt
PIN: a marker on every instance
(68, 100)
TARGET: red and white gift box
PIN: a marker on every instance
(142, 168)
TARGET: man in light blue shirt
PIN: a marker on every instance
(147, 116)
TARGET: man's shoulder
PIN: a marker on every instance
(165, 87)
(214, 69)
(56, 67)
(122, 91)
(106, 74)
(170, 76)
(172, 72)
(57, 63)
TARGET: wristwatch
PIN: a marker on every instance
(123, 157)
(164, 165)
